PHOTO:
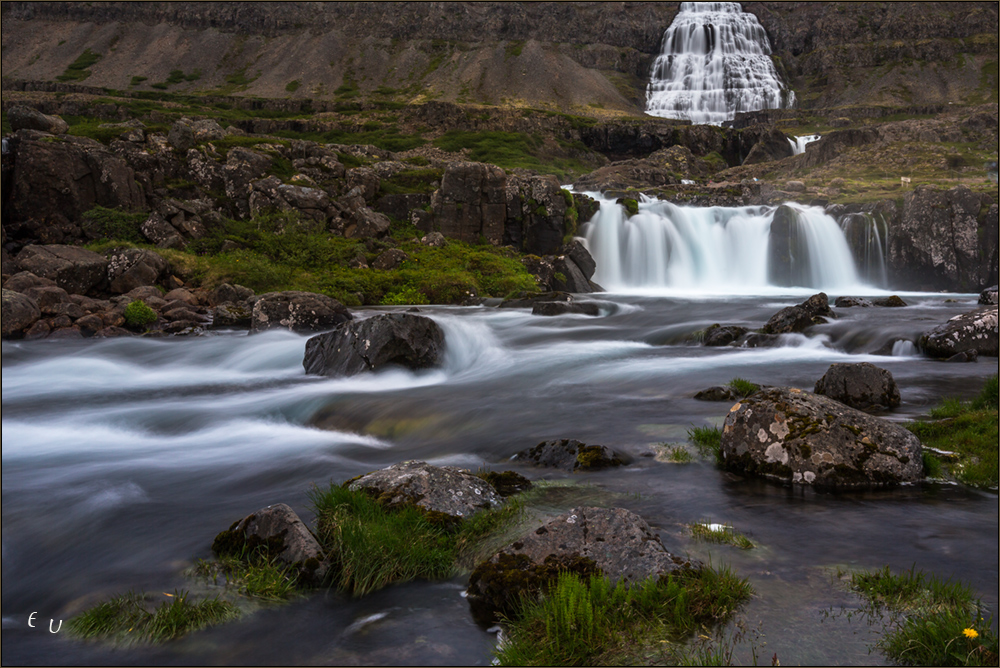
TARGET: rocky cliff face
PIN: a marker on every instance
(589, 56)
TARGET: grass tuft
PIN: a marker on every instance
(128, 619)
(252, 573)
(743, 387)
(708, 441)
(720, 533)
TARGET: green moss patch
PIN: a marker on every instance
(79, 69)
(104, 224)
(708, 441)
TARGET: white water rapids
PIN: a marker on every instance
(715, 61)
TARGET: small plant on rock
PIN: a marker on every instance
(743, 387)
(138, 314)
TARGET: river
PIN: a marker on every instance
(122, 458)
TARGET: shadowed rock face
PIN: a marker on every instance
(280, 532)
(792, 436)
(863, 386)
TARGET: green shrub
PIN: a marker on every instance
(714, 533)
(79, 70)
(292, 86)
(113, 225)
(138, 314)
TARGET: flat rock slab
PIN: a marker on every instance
(442, 489)
(279, 531)
(570, 455)
(863, 386)
(75, 270)
(976, 330)
(612, 541)
(792, 436)
(400, 339)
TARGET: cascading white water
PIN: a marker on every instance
(714, 61)
(799, 143)
(869, 239)
(710, 249)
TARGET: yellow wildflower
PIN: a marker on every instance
(970, 633)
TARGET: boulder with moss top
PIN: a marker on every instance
(792, 436)
(614, 542)
(571, 455)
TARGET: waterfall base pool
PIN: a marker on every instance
(123, 458)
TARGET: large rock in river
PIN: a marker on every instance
(812, 311)
(402, 339)
(612, 541)
(792, 436)
(976, 330)
(439, 489)
(863, 386)
(279, 532)
(297, 311)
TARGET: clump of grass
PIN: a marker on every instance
(371, 546)
(593, 622)
(708, 441)
(743, 387)
(970, 430)
(292, 86)
(679, 455)
(720, 533)
(79, 70)
(932, 622)
(138, 314)
(128, 619)
(102, 224)
(253, 573)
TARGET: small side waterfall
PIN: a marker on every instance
(799, 143)
(868, 237)
(714, 61)
(718, 249)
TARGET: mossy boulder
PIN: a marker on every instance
(863, 386)
(613, 541)
(447, 490)
(275, 532)
(571, 455)
(792, 436)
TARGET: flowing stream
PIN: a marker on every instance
(122, 458)
(715, 61)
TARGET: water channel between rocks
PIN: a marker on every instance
(122, 458)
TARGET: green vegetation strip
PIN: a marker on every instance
(743, 387)
(409, 542)
(969, 431)
(708, 441)
(129, 619)
(930, 622)
(592, 622)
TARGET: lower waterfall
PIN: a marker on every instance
(718, 249)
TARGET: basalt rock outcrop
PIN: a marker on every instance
(812, 311)
(796, 437)
(390, 339)
(974, 331)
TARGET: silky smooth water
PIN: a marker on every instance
(122, 458)
(715, 61)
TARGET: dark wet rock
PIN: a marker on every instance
(718, 335)
(471, 203)
(39, 330)
(772, 145)
(570, 455)
(989, 296)
(46, 297)
(562, 308)
(23, 280)
(403, 339)
(891, 301)
(21, 117)
(976, 330)
(581, 257)
(19, 313)
(130, 268)
(797, 318)
(536, 210)
(231, 315)
(506, 483)
(968, 356)
(227, 293)
(74, 269)
(588, 541)
(112, 332)
(849, 302)
(792, 436)
(90, 324)
(758, 340)
(296, 311)
(438, 489)
(528, 300)
(863, 386)
(278, 532)
(567, 277)
(717, 393)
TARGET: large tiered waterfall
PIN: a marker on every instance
(728, 250)
(714, 61)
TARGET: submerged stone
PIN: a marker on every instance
(571, 455)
